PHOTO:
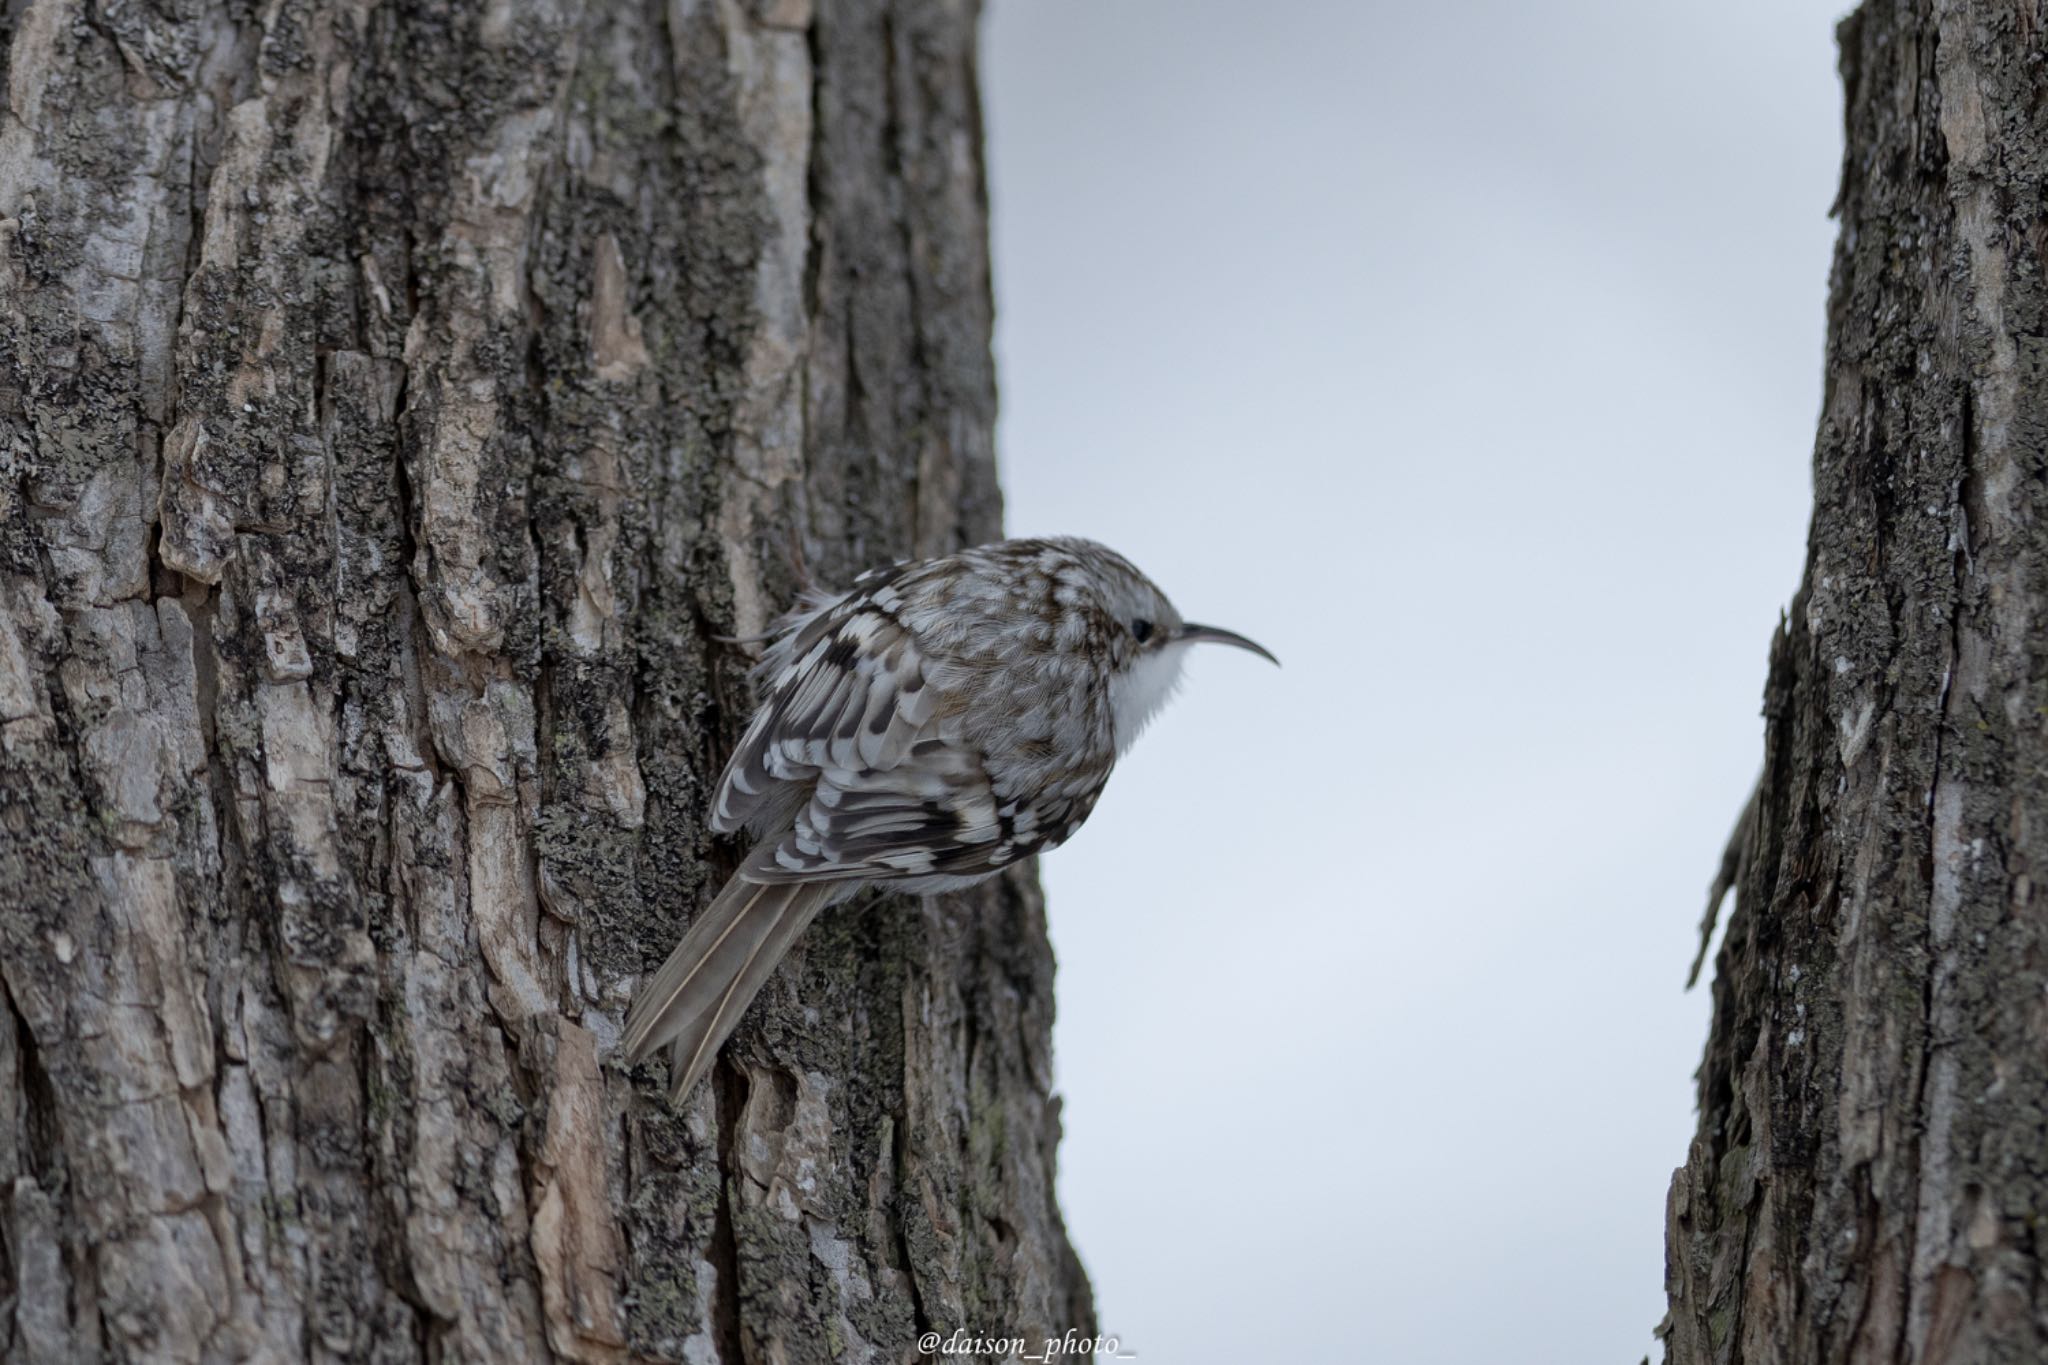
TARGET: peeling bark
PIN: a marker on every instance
(400, 403)
(1870, 1176)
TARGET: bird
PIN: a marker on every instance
(927, 728)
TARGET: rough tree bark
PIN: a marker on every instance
(398, 403)
(1870, 1178)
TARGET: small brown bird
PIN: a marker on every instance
(924, 730)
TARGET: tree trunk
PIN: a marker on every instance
(1870, 1178)
(401, 401)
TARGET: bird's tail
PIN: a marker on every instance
(694, 1002)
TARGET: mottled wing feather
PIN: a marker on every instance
(919, 817)
(849, 690)
(934, 815)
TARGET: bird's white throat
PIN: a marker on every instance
(1137, 693)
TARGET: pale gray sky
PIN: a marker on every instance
(1468, 356)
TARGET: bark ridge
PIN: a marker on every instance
(1868, 1180)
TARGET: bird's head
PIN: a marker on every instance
(1144, 639)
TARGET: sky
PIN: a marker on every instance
(1468, 356)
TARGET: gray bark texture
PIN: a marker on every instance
(1870, 1177)
(399, 402)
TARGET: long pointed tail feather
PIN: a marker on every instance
(695, 1001)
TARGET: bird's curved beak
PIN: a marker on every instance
(1195, 634)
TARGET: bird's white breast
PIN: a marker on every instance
(1137, 693)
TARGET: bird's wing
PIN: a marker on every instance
(860, 763)
(848, 691)
(857, 745)
(934, 815)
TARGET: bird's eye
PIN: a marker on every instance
(1141, 631)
